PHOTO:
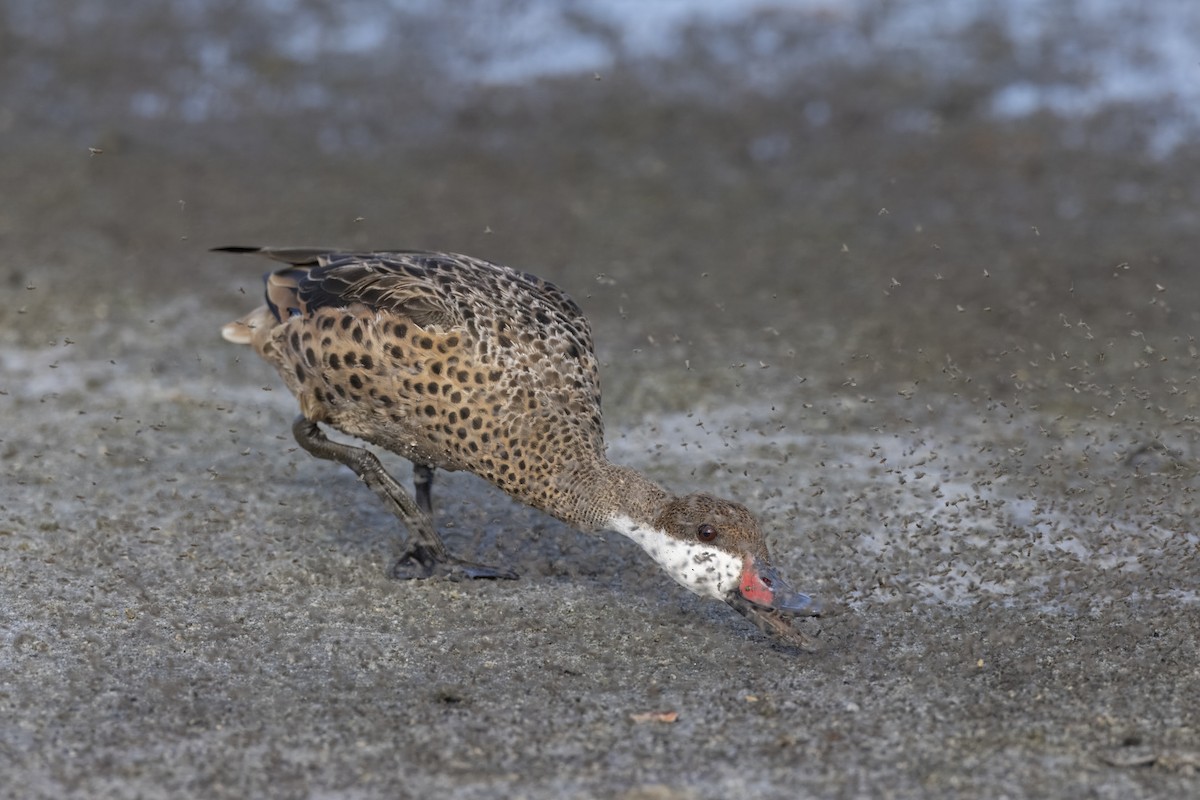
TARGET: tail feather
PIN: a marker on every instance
(296, 256)
(252, 329)
(282, 291)
(237, 332)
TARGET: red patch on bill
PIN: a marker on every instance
(753, 587)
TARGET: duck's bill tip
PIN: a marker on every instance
(762, 586)
(799, 604)
(775, 623)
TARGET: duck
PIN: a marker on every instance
(457, 363)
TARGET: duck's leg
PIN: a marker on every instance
(426, 555)
(423, 483)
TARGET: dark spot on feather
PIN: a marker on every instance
(426, 343)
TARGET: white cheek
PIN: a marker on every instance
(707, 571)
(703, 569)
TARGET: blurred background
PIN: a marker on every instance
(889, 184)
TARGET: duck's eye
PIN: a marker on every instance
(706, 533)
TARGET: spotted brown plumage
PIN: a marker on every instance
(457, 363)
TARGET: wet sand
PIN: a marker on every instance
(954, 370)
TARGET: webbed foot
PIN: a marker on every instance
(420, 562)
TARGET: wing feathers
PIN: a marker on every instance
(412, 284)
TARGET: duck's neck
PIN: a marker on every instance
(595, 496)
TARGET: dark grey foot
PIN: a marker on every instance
(420, 562)
(426, 556)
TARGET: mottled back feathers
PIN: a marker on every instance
(447, 360)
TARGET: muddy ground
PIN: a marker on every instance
(953, 369)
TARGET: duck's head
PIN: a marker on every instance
(716, 549)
